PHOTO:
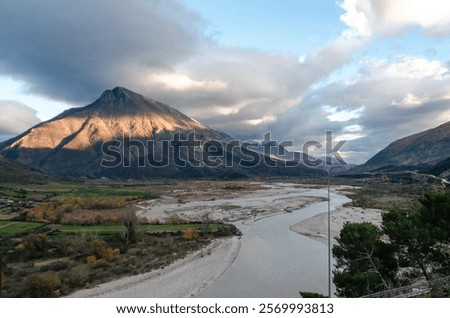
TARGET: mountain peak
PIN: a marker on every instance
(119, 93)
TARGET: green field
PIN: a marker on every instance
(67, 189)
(10, 228)
(106, 230)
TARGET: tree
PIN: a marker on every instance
(412, 241)
(130, 222)
(435, 215)
(422, 237)
(364, 263)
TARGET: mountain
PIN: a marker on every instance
(126, 135)
(12, 172)
(442, 168)
(425, 151)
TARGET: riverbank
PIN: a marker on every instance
(186, 277)
(316, 227)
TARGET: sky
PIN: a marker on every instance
(372, 71)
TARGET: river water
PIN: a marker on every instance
(275, 261)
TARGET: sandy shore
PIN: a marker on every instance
(187, 277)
(317, 226)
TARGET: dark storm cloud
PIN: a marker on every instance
(73, 50)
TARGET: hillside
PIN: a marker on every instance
(425, 151)
(11, 172)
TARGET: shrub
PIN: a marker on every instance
(97, 248)
(32, 245)
(175, 219)
(79, 275)
(91, 260)
(311, 295)
(190, 234)
(109, 253)
(71, 245)
(43, 285)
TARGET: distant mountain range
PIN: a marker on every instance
(128, 136)
(427, 152)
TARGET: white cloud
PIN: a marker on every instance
(183, 82)
(349, 136)
(342, 115)
(16, 117)
(356, 17)
(388, 18)
(265, 120)
(413, 67)
(353, 128)
(410, 100)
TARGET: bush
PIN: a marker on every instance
(190, 234)
(91, 260)
(109, 253)
(311, 295)
(70, 245)
(32, 246)
(175, 219)
(73, 211)
(43, 285)
(97, 248)
(77, 276)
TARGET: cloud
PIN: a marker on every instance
(342, 115)
(411, 67)
(183, 82)
(15, 118)
(384, 102)
(73, 50)
(389, 18)
(356, 17)
(410, 100)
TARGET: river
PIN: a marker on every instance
(275, 261)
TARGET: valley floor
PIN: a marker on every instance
(191, 276)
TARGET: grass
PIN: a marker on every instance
(14, 194)
(11, 228)
(66, 189)
(86, 193)
(107, 230)
(387, 195)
